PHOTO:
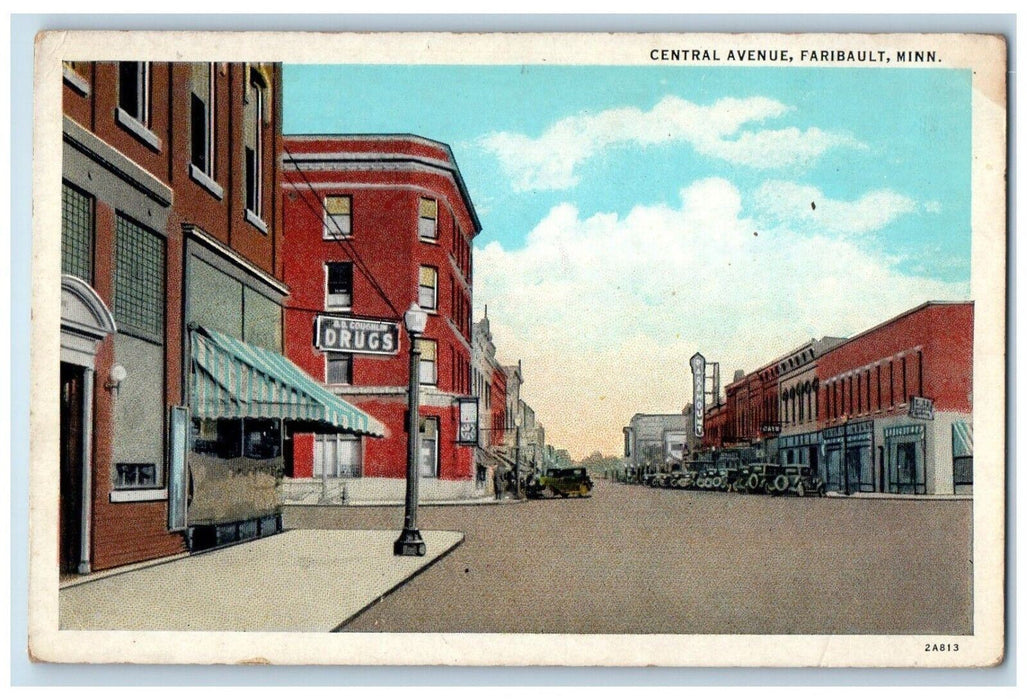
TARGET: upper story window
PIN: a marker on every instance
(427, 288)
(339, 285)
(75, 75)
(338, 216)
(428, 219)
(76, 233)
(201, 118)
(428, 373)
(338, 368)
(139, 280)
(133, 112)
(134, 90)
(253, 139)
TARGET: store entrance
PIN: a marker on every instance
(71, 467)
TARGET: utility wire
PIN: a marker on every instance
(338, 236)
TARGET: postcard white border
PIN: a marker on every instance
(985, 55)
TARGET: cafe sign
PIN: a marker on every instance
(360, 336)
(921, 408)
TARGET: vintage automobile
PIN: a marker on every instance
(564, 482)
(798, 479)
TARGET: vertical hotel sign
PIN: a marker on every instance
(698, 363)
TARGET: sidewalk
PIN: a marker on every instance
(903, 496)
(297, 581)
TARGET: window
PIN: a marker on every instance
(138, 279)
(339, 285)
(254, 144)
(76, 233)
(337, 456)
(338, 368)
(76, 75)
(261, 438)
(428, 373)
(201, 118)
(135, 475)
(134, 90)
(427, 221)
(338, 223)
(427, 288)
(429, 463)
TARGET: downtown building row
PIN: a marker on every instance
(888, 410)
(199, 246)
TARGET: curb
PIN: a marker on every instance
(901, 496)
(430, 563)
(421, 504)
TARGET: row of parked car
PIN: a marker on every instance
(756, 477)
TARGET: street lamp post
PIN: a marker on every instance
(410, 542)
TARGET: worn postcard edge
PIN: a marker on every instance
(984, 55)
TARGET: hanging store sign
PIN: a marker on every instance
(360, 336)
(468, 432)
(698, 363)
(921, 408)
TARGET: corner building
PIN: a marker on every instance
(895, 408)
(372, 225)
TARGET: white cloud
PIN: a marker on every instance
(549, 161)
(792, 204)
(605, 311)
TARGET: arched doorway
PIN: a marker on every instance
(85, 321)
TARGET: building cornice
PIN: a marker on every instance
(98, 150)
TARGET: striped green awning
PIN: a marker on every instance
(962, 439)
(233, 379)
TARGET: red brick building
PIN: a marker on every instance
(896, 401)
(887, 410)
(373, 224)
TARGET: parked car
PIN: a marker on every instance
(798, 479)
(564, 482)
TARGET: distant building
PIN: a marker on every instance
(488, 382)
(374, 224)
(656, 442)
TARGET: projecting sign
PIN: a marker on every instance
(356, 335)
(698, 363)
(921, 408)
(468, 433)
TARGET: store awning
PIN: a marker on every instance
(233, 379)
(962, 439)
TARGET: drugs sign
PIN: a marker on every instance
(356, 335)
(698, 363)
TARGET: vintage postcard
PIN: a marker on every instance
(519, 349)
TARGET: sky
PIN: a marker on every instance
(632, 216)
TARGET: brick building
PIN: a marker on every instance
(887, 410)
(171, 261)
(373, 224)
(896, 403)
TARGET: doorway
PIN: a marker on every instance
(70, 551)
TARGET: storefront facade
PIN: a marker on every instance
(895, 405)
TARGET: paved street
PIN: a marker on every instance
(638, 560)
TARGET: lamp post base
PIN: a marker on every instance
(410, 544)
